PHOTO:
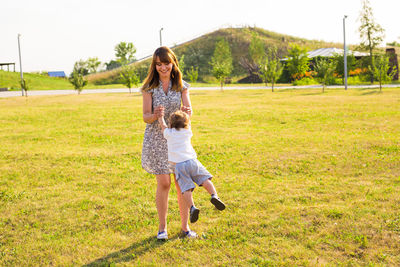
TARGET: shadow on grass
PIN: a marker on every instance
(128, 254)
(197, 93)
(313, 93)
(283, 90)
(372, 92)
(134, 95)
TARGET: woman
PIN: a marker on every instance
(163, 92)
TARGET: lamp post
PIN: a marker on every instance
(20, 64)
(160, 36)
(345, 52)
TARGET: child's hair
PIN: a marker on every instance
(179, 120)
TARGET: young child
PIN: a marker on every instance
(188, 169)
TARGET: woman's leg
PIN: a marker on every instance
(163, 186)
(183, 208)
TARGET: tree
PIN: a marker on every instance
(124, 52)
(221, 61)
(93, 64)
(195, 56)
(113, 64)
(271, 68)
(324, 69)
(381, 70)
(371, 34)
(142, 70)
(129, 77)
(297, 62)
(81, 66)
(193, 74)
(76, 79)
(25, 87)
(256, 58)
(182, 64)
(257, 50)
(339, 60)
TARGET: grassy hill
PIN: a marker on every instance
(198, 52)
(11, 80)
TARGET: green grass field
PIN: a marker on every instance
(309, 179)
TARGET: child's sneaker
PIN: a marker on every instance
(189, 234)
(194, 214)
(217, 202)
(162, 235)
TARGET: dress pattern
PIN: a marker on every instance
(155, 149)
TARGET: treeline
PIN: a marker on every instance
(195, 56)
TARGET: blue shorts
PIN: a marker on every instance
(189, 172)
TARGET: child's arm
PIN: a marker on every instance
(162, 123)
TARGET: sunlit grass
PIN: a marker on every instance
(308, 179)
(11, 80)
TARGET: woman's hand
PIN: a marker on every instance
(186, 106)
(159, 111)
(187, 110)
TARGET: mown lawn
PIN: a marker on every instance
(308, 178)
(11, 80)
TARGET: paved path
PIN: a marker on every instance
(125, 90)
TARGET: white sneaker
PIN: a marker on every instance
(162, 235)
(189, 234)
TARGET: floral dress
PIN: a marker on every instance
(155, 150)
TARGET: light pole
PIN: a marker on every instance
(20, 64)
(345, 52)
(160, 36)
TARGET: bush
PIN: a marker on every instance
(356, 80)
(333, 81)
(305, 81)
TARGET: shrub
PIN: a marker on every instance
(305, 81)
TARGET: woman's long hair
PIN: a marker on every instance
(153, 79)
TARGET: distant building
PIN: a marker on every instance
(59, 74)
(8, 66)
(332, 51)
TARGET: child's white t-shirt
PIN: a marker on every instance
(179, 146)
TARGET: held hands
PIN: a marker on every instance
(187, 110)
(159, 112)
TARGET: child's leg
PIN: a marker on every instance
(194, 212)
(187, 195)
(209, 186)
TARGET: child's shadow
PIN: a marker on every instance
(130, 253)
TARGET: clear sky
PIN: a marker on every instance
(57, 33)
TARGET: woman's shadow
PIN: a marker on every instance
(130, 253)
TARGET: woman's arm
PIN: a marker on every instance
(148, 115)
(186, 105)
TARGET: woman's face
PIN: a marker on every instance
(163, 69)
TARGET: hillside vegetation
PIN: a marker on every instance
(198, 52)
